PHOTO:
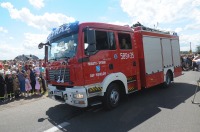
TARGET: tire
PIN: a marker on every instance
(168, 80)
(112, 96)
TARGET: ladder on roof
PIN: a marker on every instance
(152, 29)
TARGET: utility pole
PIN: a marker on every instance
(190, 49)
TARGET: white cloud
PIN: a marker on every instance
(182, 15)
(45, 21)
(3, 30)
(178, 30)
(163, 11)
(119, 23)
(186, 39)
(196, 2)
(32, 40)
(11, 38)
(193, 26)
(27, 47)
(37, 3)
(10, 52)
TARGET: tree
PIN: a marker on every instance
(198, 49)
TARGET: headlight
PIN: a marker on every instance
(78, 96)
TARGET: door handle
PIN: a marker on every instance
(111, 66)
(84, 59)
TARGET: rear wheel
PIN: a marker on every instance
(168, 80)
(112, 96)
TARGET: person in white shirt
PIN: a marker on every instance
(196, 62)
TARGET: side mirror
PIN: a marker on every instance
(40, 46)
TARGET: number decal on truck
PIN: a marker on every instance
(127, 55)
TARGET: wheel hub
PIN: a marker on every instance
(114, 96)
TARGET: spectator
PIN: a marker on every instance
(2, 86)
(37, 85)
(124, 45)
(6, 69)
(32, 78)
(15, 85)
(21, 78)
(196, 62)
(42, 73)
(27, 85)
(9, 84)
(26, 66)
(1, 70)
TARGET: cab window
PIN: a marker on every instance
(124, 41)
(104, 40)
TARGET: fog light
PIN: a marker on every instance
(78, 102)
(81, 102)
(78, 96)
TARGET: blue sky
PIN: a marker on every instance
(25, 23)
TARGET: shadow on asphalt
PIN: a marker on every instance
(132, 111)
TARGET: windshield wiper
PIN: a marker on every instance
(64, 57)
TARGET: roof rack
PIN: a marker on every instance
(139, 26)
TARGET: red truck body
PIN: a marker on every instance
(88, 60)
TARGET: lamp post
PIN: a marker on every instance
(190, 49)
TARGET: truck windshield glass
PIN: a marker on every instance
(64, 47)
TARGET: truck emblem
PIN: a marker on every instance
(115, 56)
(98, 68)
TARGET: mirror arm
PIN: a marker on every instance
(40, 46)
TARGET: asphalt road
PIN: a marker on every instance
(154, 110)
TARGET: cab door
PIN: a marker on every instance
(103, 60)
(127, 60)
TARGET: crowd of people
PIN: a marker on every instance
(21, 79)
(191, 61)
(26, 78)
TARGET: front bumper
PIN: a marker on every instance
(75, 96)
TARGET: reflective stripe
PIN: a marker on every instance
(1, 97)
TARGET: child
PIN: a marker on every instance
(2, 86)
(27, 85)
(32, 78)
(37, 85)
(21, 78)
(15, 85)
(9, 84)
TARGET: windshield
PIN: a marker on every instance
(64, 47)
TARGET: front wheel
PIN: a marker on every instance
(112, 96)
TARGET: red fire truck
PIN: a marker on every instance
(89, 63)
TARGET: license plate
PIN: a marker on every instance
(58, 93)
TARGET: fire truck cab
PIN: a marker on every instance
(97, 61)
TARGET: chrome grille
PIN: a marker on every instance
(54, 75)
